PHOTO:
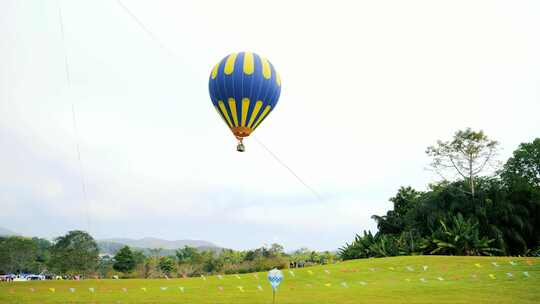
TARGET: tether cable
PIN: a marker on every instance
(74, 118)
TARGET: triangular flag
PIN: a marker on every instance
(241, 288)
(52, 289)
(425, 267)
(143, 289)
(181, 289)
(440, 279)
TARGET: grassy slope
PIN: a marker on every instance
(368, 281)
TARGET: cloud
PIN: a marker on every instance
(366, 87)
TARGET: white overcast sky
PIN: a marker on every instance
(367, 86)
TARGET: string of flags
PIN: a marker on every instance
(509, 275)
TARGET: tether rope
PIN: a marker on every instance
(74, 118)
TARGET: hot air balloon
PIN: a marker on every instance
(244, 89)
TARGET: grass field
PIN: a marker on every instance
(387, 280)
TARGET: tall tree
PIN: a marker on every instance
(166, 265)
(75, 253)
(468, 154)
(17, 254)
(524, 164)
(276, 249)
(394, 220)
(124, 260)
(43, 253)
(188, 255)
(105, 266)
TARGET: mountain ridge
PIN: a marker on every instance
(154, 243)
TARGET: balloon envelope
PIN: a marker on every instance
(244, 89)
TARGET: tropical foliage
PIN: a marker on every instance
(501, 218)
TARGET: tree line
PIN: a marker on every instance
(77, 253)
(479, 207)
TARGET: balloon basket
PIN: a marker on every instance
(240, 147)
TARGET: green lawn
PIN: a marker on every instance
(387, 280)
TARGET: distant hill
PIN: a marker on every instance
(111, 246)
(149, 242)
(6, 232)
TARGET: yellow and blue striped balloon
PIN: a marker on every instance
(244, 89)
